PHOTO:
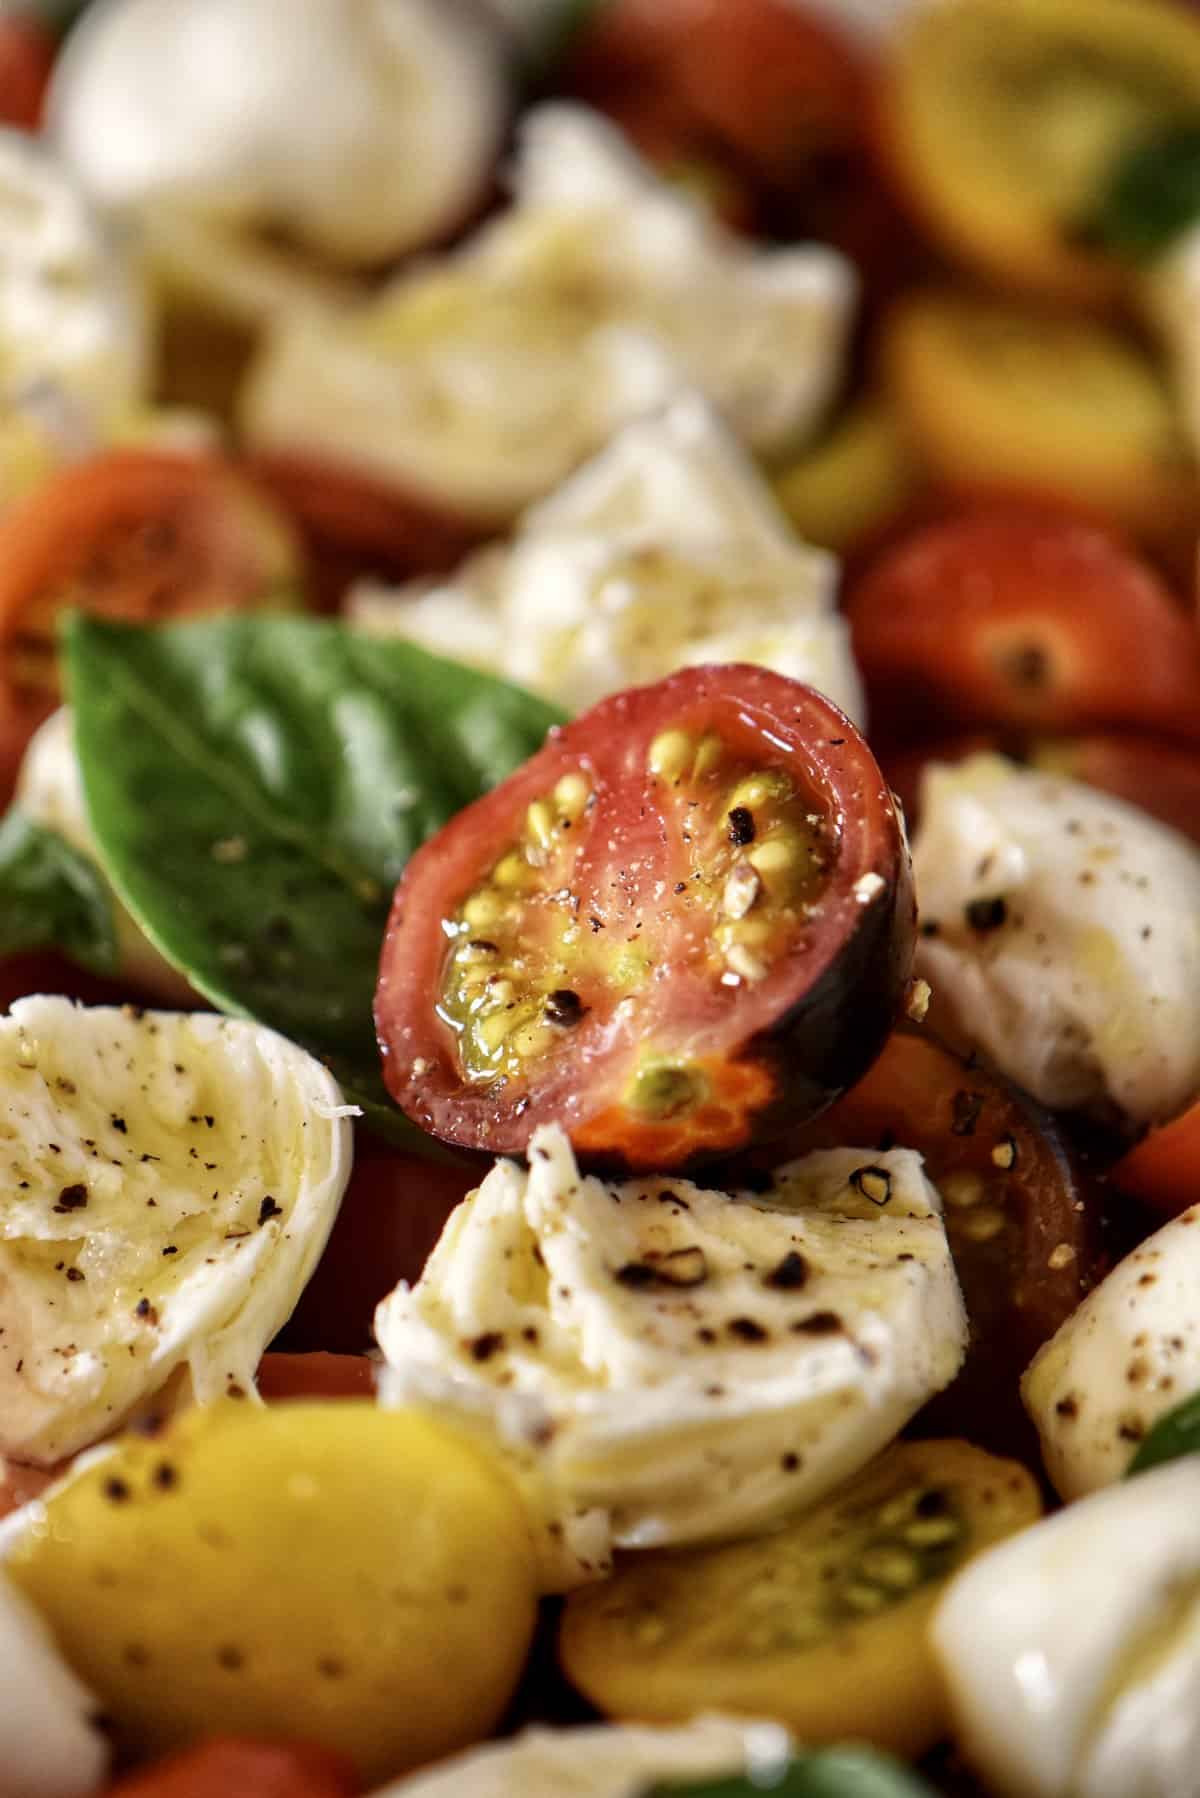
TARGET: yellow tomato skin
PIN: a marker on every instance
(821, 1625)
(327, 1572)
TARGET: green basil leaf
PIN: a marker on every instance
(255, 785)
(554, 37)
(1152, 195)
(51, 897)
(826, 1773)
(1174, 1435)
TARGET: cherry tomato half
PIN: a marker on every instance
(1021, 1222)
(231, 1767)
(1025, 622)
(687, 921)
(1163, 1170)
(137, 534)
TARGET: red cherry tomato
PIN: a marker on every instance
(1162, 778)
(1022, 1224)
(138, 534)
(1163, 1170)
(229, 1767)
(393, 1212)
(1022, 622)
(687, 921)
(26, 58)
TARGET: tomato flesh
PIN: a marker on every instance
(1022, 621)
(234, 1767)
(685, 922)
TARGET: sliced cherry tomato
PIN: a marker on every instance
(821, 1624)
(1001, 120)
(1022, 1223)
(353, 522)
(1163, 1170)
(1162, 778)
(393, 1212)
(1025, 623)
(135, 533)
(26, 58)
(685, 922)
(1006, 401)
(317, 1375)
(232, 1767)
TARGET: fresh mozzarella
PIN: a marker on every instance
(605, 1761)
(664, 551)
(50, 1746)
(481, 380)
(361, 131)
(73, 338)
(665, 1364)
(1072, 1651)
(171, 1181)
(1127, 1355)
(1062, 927)
(50, 791)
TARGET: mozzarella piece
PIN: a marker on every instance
(50, 792)
(1083, 982)
(49, 1745)
(1071, 1652)
(665, 1364)
(1128, 1355)
(604, 1761)
(362, 134)
(665, 551)
(171, 1181)
(480, 381)
(73, 336)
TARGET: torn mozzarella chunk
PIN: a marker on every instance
(1071, 1652)
(665, 551)
(1129, 1354)
(50, 1742)
(479, 381)
(170, 1181)
(665, 1364)
(1062, 927)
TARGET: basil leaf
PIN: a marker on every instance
(255, 785)
(552, 40)
(1174, 1435)
(1152, 195)
(827, 1773)
(51, 897)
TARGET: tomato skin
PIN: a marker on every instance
(233, 1767)
(1017, 1288)
(26, 58)
(392, 1213)
(1023, 622)
(771, 1049)
(140, 534)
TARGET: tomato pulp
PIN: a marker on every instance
(685, 923)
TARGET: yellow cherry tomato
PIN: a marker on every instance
(334, 1573)
(855, 481)
(1006, 400)
(1002, 119)
(821, 1624)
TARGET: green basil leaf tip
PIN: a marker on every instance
(255, 786)
(825, 1773)
(1176, 1434)
(51, 897)
(1151, 197)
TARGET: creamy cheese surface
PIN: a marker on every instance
(49, 1744)
(666, 1364)
(1062, 927)
(664, 551)
(169, 1184)
(1071, 1652)
(1130, 1353)
(480, 380)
